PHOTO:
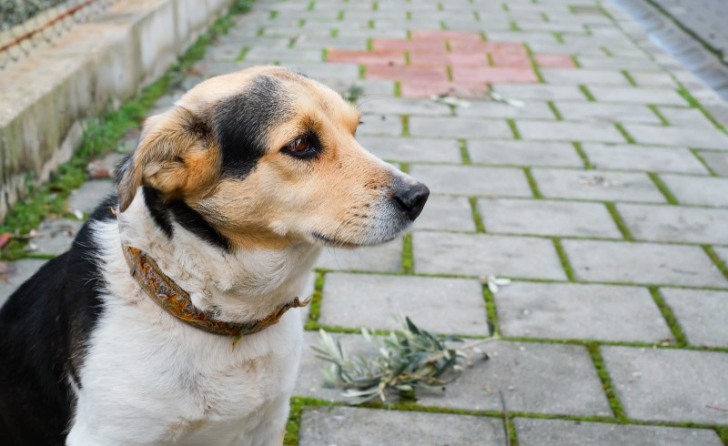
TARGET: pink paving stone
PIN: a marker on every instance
(419, 59)
(493, 75)
(408, 45)
(510, 59)
(554, 60)
(488, 47)
(416, 89)
(374, 57)
(452, 36)
(423, 74)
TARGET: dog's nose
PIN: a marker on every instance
(410, 196)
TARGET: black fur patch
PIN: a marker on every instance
(44, 329)
(165, 212)
(241, 124)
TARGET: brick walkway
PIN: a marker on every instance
(588, 173)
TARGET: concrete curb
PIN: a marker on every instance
(106, 61)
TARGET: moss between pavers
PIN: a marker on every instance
(682, 91)
(491, 311)
(719, 263)
(660, 116)
(584, 158)
(100, 137)
(705, 164)
(477, 218)
(669, 196)
(408, 257)
(532, 183)
(555, 110)
(621, 225)
(629, 78)
(564, 259)
(670, 318)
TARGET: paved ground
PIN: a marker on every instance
(588, 173)
(705, 18)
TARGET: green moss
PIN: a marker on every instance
(575, 61)
(587, 93)
(243, 52)
(532, 183)
(672, 322)
(464, 155)
(663, 188)
(273, 14)
(514, 129)
(564, 259)
(408, 258)
(585, 159)
(324, 54)
(311, 5)
(362, 71)
(405, 126)
(370, 44)
(719, 263)
(514, 26)
(723, 434)
(240, 7)
(620, 128)
(476, 16)
(682, 91)
(398, 89)
(491, 311)
(705, 163)
(660, 116)
(341, 15)
(479, 225)
(606, 380)
(623, 228)
(559, 38)
(555, 110)
(629, 78)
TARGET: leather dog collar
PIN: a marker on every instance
(176, 301)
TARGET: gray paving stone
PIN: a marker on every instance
(722, 254)
(604, 113)
(448, 306)
(643, 158)
(384, 258)
(327, 72)
(569, 76)
(483, 109)
(597, 185)
(18, 272)
(701, 315)
(378, 124)
(535, 378)
(472, 180)
(524, 153)
(669, 384)
(717, 161)
(652, 79)
(536, 432)
(540, 92)
(568, 131)
(372, 88)
(458, 128)
(349, 426)
(413, 149)
(90, 195)
(702, 138)
(268, 55)
(579, 311)
(541, 217)
(618, 63)
(708, 191)
(56, 235)
(636, 95)
(676, 223)
(400, 106)
(486, 255)
(685, 117)
(604, 261)
(446, 214)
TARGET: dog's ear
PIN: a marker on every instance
(177, 155)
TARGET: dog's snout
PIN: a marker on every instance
(410, 197)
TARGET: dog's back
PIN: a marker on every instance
(43, 330)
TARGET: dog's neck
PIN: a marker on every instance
(238, 286)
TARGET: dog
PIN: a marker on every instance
(166, 322)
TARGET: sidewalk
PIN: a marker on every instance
(590, 174)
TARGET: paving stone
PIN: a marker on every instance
(524, 153)
(722, 254)
(579, 311)
(18, 272)
(703, 138)
(603, 113)
(669, 384)
(701, 315)
(349, 426)
(486, 255)
(568, 131)
(403, 106)
(90, 195)
(413, 149)
(676, 223)
(541, 217)
(685, 117)
(643, 158)
(458, 128)
(588, 77)
(326, 72)
(718, 162)
(636, 95)
(371, 88)
(378, 124)
(56, 235)
(603, 261)
(536, 432)
(618, 63)
(383, 258)
(472, 180)
(482, 109)
(540, 92)
(597, 185)
(449, 306)
(708, 191)
(535, 378)
(446, 214)
(258, 54)
(652, 79)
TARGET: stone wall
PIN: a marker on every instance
(103, 62)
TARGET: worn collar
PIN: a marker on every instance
(176, 301)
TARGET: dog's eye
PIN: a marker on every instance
(304, 147)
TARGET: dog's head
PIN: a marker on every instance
(265, 157)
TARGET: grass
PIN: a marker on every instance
(408, 256)
(491, 311)
(100, 137)
(464, 155)
(606, 380)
